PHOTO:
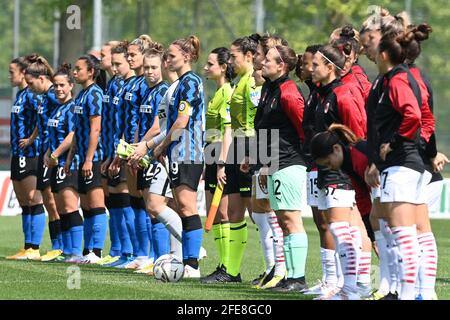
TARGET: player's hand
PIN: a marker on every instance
(86, 169)
(23, 143)
(51, 163)
(104, 166)
(438, 163)
(133, 170)
(139, 152)
(114, 167)
(372, 176)
(221, 176)
(385, 148)
(245, 165)
(67, 166)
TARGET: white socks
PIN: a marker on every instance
(406, 239)
(173, 223)
(278, 244)
(384, 286)
(426, 278)
(347, 250)
(265, 236)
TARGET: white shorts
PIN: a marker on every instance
(423, 192)
(160, 183)
(257, 191)
(433, 193)
(375, 193)
(312, 194)
(400, 184)
(336, 198)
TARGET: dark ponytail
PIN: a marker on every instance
(322, 143)
(99, 76)
(65, 69)
(246, 44)
(331, 54)
(38, 66)
(223, 58)
(416, 34)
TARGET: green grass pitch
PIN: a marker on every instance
(39, 280)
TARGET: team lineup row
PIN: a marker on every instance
(362, 155)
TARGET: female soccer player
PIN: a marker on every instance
(335, 104)
(218, 140)
(88, 110)
(149, 128)
(327, 245)
(39, 76)
(24, 153)
(270, 233)
(185, 148)
(133, 100)
(64, 186)
(398, 119)
(107, 138)
(117, 182)
(164, 211)
(281, 109)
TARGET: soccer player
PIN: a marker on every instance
(88, 111)
(336, 104)
(185, 148)
(270, 233)
(39, 76)
(64, 186)
(133, 100)
(164, 211)
(327, 246)
(218, 140)
(398, 119)
(24, 154)
(117, 182)
(281, 111)
(149, 128)
(107, 138)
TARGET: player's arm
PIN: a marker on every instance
(23, 143)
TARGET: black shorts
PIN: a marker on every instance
(185, 173)
(87, 184)
(144, 177)
(43, 175)
(238, 181)
(121, 177)
(211, 179)
(60, 181)
(22, 167)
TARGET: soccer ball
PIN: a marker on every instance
(168, 268)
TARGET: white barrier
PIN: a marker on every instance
(9, 206)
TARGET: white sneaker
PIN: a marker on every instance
(318, 289)
(342, 295)
(202, 254)
(144, 264)
(138, 263)
(90, 258)
(328, 293)
(190, 272)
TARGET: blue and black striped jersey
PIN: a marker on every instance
(132, 99)
(47, 103)
(119, 109)
(149, 107)
(60, 124)
(23, 122)
(189, 100)
(108, 116)
(88, 103)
